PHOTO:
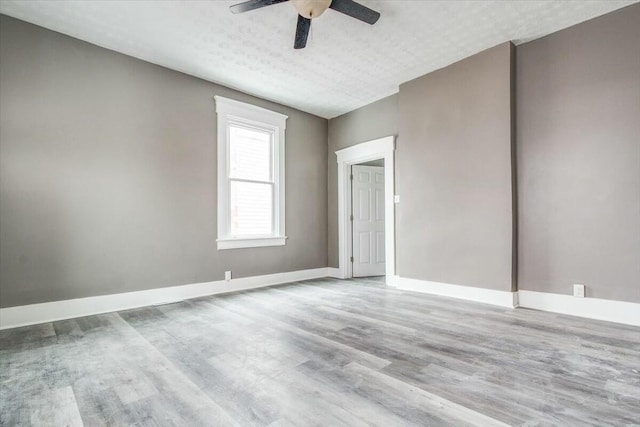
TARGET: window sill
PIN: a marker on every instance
(253, 242)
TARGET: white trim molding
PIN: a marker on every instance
(25, 315)
(592, 308)
(627, 313)
(470, 293)
(382, 148)
(238, 114)
(255, 242)
(334, 273)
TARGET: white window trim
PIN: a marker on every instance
(231, 111)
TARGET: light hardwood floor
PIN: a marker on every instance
(322, 352)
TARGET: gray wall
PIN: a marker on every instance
(108, 169)
(577, 105)
(108, 175)
(578, 115)
(454, 173)
(454, 152)
(373, 121)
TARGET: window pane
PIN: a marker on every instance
(249, 154)
(251, 208)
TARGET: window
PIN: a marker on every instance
(250, 175)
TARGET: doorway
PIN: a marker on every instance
(382, 148)
(367, 219)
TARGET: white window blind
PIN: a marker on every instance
(251, 181)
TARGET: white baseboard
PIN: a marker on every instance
(487, 296)
(592, 308)
(334, 273)
(13, 317)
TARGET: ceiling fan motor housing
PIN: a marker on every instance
(311, 8)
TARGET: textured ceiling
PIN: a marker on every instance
(347, 64)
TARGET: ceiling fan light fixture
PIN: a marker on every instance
(311, 8)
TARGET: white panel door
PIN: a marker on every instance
(368, 220)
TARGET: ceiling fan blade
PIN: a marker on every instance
(302, 32)
(355, 10)
(253, 4)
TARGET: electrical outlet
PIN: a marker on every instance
(227, 275)
(396, 199)
(578, 291)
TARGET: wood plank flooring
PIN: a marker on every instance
(321, 353)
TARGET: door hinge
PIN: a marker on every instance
(351, 259)
(351, 217)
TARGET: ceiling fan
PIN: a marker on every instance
(310, 9)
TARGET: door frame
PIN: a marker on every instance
(382, 148)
